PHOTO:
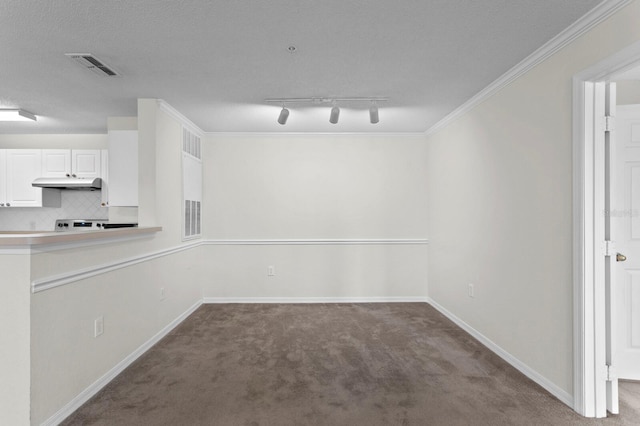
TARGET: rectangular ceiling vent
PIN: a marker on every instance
(90, 62)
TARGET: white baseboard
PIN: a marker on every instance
(393, 299)
(95, 387)
(551, 387)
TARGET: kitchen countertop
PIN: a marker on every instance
(34, 238)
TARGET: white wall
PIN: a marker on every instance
(315, 187)
(500, 207)
(15, 323)
(65, 357)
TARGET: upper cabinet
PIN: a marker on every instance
(123, 168)
(20, 167)
(3, 177)
(84, 163)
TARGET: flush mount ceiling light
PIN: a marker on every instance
(335, 110)
(16, 115)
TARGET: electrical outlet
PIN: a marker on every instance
(271, 271)
(471, 290)
(162, 295)
(98, 326)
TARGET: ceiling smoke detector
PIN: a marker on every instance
(90, 62)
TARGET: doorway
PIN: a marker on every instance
(604, 228)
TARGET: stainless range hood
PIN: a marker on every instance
(87, 184)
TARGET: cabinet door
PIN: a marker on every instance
(85, 163)
(23, 166)
(56, 163)
(104, 193)
(3, 177)
(123, 168)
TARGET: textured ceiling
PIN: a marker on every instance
(216, 61)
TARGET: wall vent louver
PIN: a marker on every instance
(192, 218)
(90, 62)
(191, 144)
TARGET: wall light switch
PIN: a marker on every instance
(271, 271)
(471, 290)
(162, 295)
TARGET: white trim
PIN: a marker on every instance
(267, 134)
(283, 300)
(53, 281)
(586, 331)
(172, 112)
(549, 386)
(80, 274)
(581, 26)
(96, 386)
(380, 241)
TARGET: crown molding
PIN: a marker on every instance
(172, 112)
(575, 30)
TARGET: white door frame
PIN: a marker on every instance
(589, 350)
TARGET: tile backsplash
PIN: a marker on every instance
(75, 205)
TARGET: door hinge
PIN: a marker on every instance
(609, 248)
(612, 374)
(609, 123)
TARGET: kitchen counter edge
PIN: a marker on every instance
(42, 238)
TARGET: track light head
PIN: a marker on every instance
(284, 114)
(335, 115)
(373, 114)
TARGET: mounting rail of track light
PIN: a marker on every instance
(335, 109)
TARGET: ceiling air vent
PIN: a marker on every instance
(90, 62)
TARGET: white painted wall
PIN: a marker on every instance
(500, 207)
(15, 326)
(313, 187)
(65, 357)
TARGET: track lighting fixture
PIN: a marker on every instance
(335, 110)
(373, 113)
(284, 114)
(335, 115)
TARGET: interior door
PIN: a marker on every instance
(626, 229)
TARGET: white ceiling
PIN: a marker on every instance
(216, 61)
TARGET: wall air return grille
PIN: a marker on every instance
(191, 143)
(191, 185)
(90, 62)
(191, 218)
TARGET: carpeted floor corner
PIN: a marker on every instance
(328, 364)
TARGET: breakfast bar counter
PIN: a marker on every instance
(9, 239)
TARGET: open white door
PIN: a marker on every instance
(626, 232)
(611, 231)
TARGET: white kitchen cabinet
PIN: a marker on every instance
(104, 166)
(3, 177)
(21, 168)
(84, 163)
(123, 168)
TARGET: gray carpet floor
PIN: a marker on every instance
(328, 364)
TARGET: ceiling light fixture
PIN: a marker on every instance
(16, 115)
(335, 110)
(373, 113)
(335, 115)
(284, 114)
